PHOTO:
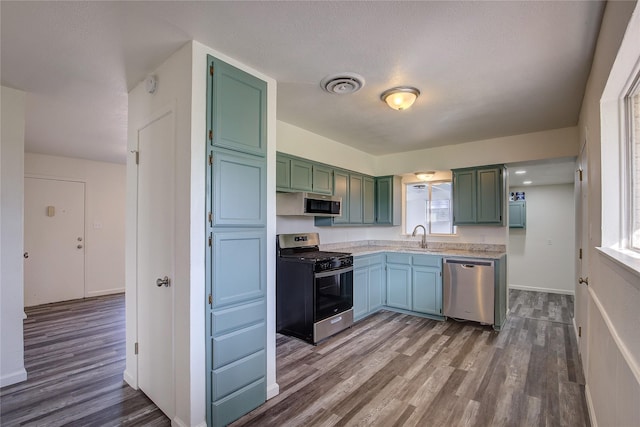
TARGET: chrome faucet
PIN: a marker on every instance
(423, 244)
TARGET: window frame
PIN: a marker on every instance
(631, 172)
(427, 226)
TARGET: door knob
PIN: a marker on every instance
(79, 246)
(164, 281)
(26, 255)
(584, 281)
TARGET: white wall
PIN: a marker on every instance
(182, 88)
(11, 236)
(542, 256)
(104, 215)
(612, 359)
(173, 93)
(547, 144)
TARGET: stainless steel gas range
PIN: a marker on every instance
(314, 297)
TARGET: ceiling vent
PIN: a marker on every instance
(343, 83)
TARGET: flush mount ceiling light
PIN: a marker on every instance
(521, 172)
(527, 182)
(342, 83)
(425, 176)
(401, 97)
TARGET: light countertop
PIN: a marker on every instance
(362, 248)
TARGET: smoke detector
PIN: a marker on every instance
(342, 83)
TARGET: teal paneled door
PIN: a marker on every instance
(239, 105)
(235, 283)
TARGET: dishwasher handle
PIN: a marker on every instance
(468, 263)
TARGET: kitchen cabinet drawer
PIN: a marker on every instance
(427, 260)
(398, 258)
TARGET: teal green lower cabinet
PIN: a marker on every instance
(501, 293)
(376, 286)
(414, 283)
(360, 295)
(399, 286)
(427, 290)
(368, 285)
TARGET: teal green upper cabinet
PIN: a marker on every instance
(490, 195)
(517, 214)
(355, 199)
(358, 204)
(322, 179)
(283, 173)
(301, 175)
(340, 189)
(238, 108)
(296, 174)
(464, 197)
(388, 200)
(368, 200)
(478, 195)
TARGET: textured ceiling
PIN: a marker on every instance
(485, 69)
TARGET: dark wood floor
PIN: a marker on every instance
(75, 358)
(397, 370)
(388, 370)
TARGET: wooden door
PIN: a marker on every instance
(53, 240)
(155, 253)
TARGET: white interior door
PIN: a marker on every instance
(53, 240)
(581, 303)
(156, 174)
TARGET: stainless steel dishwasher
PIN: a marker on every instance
(469, 289)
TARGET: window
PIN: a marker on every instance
(633, 105)
(429, 204)
(620, 154)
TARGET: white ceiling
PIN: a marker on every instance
(554, 171)
(485, 69)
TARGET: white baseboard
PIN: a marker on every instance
(273, 390)
(536, 289)
(13, 378)
(592, 413)
(130, 379)
(105, 292)
(177, 422)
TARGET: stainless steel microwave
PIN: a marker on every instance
(308, 204)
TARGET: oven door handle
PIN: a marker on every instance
(333, 272)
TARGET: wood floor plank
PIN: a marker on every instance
(75, 359)
(393, 369)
